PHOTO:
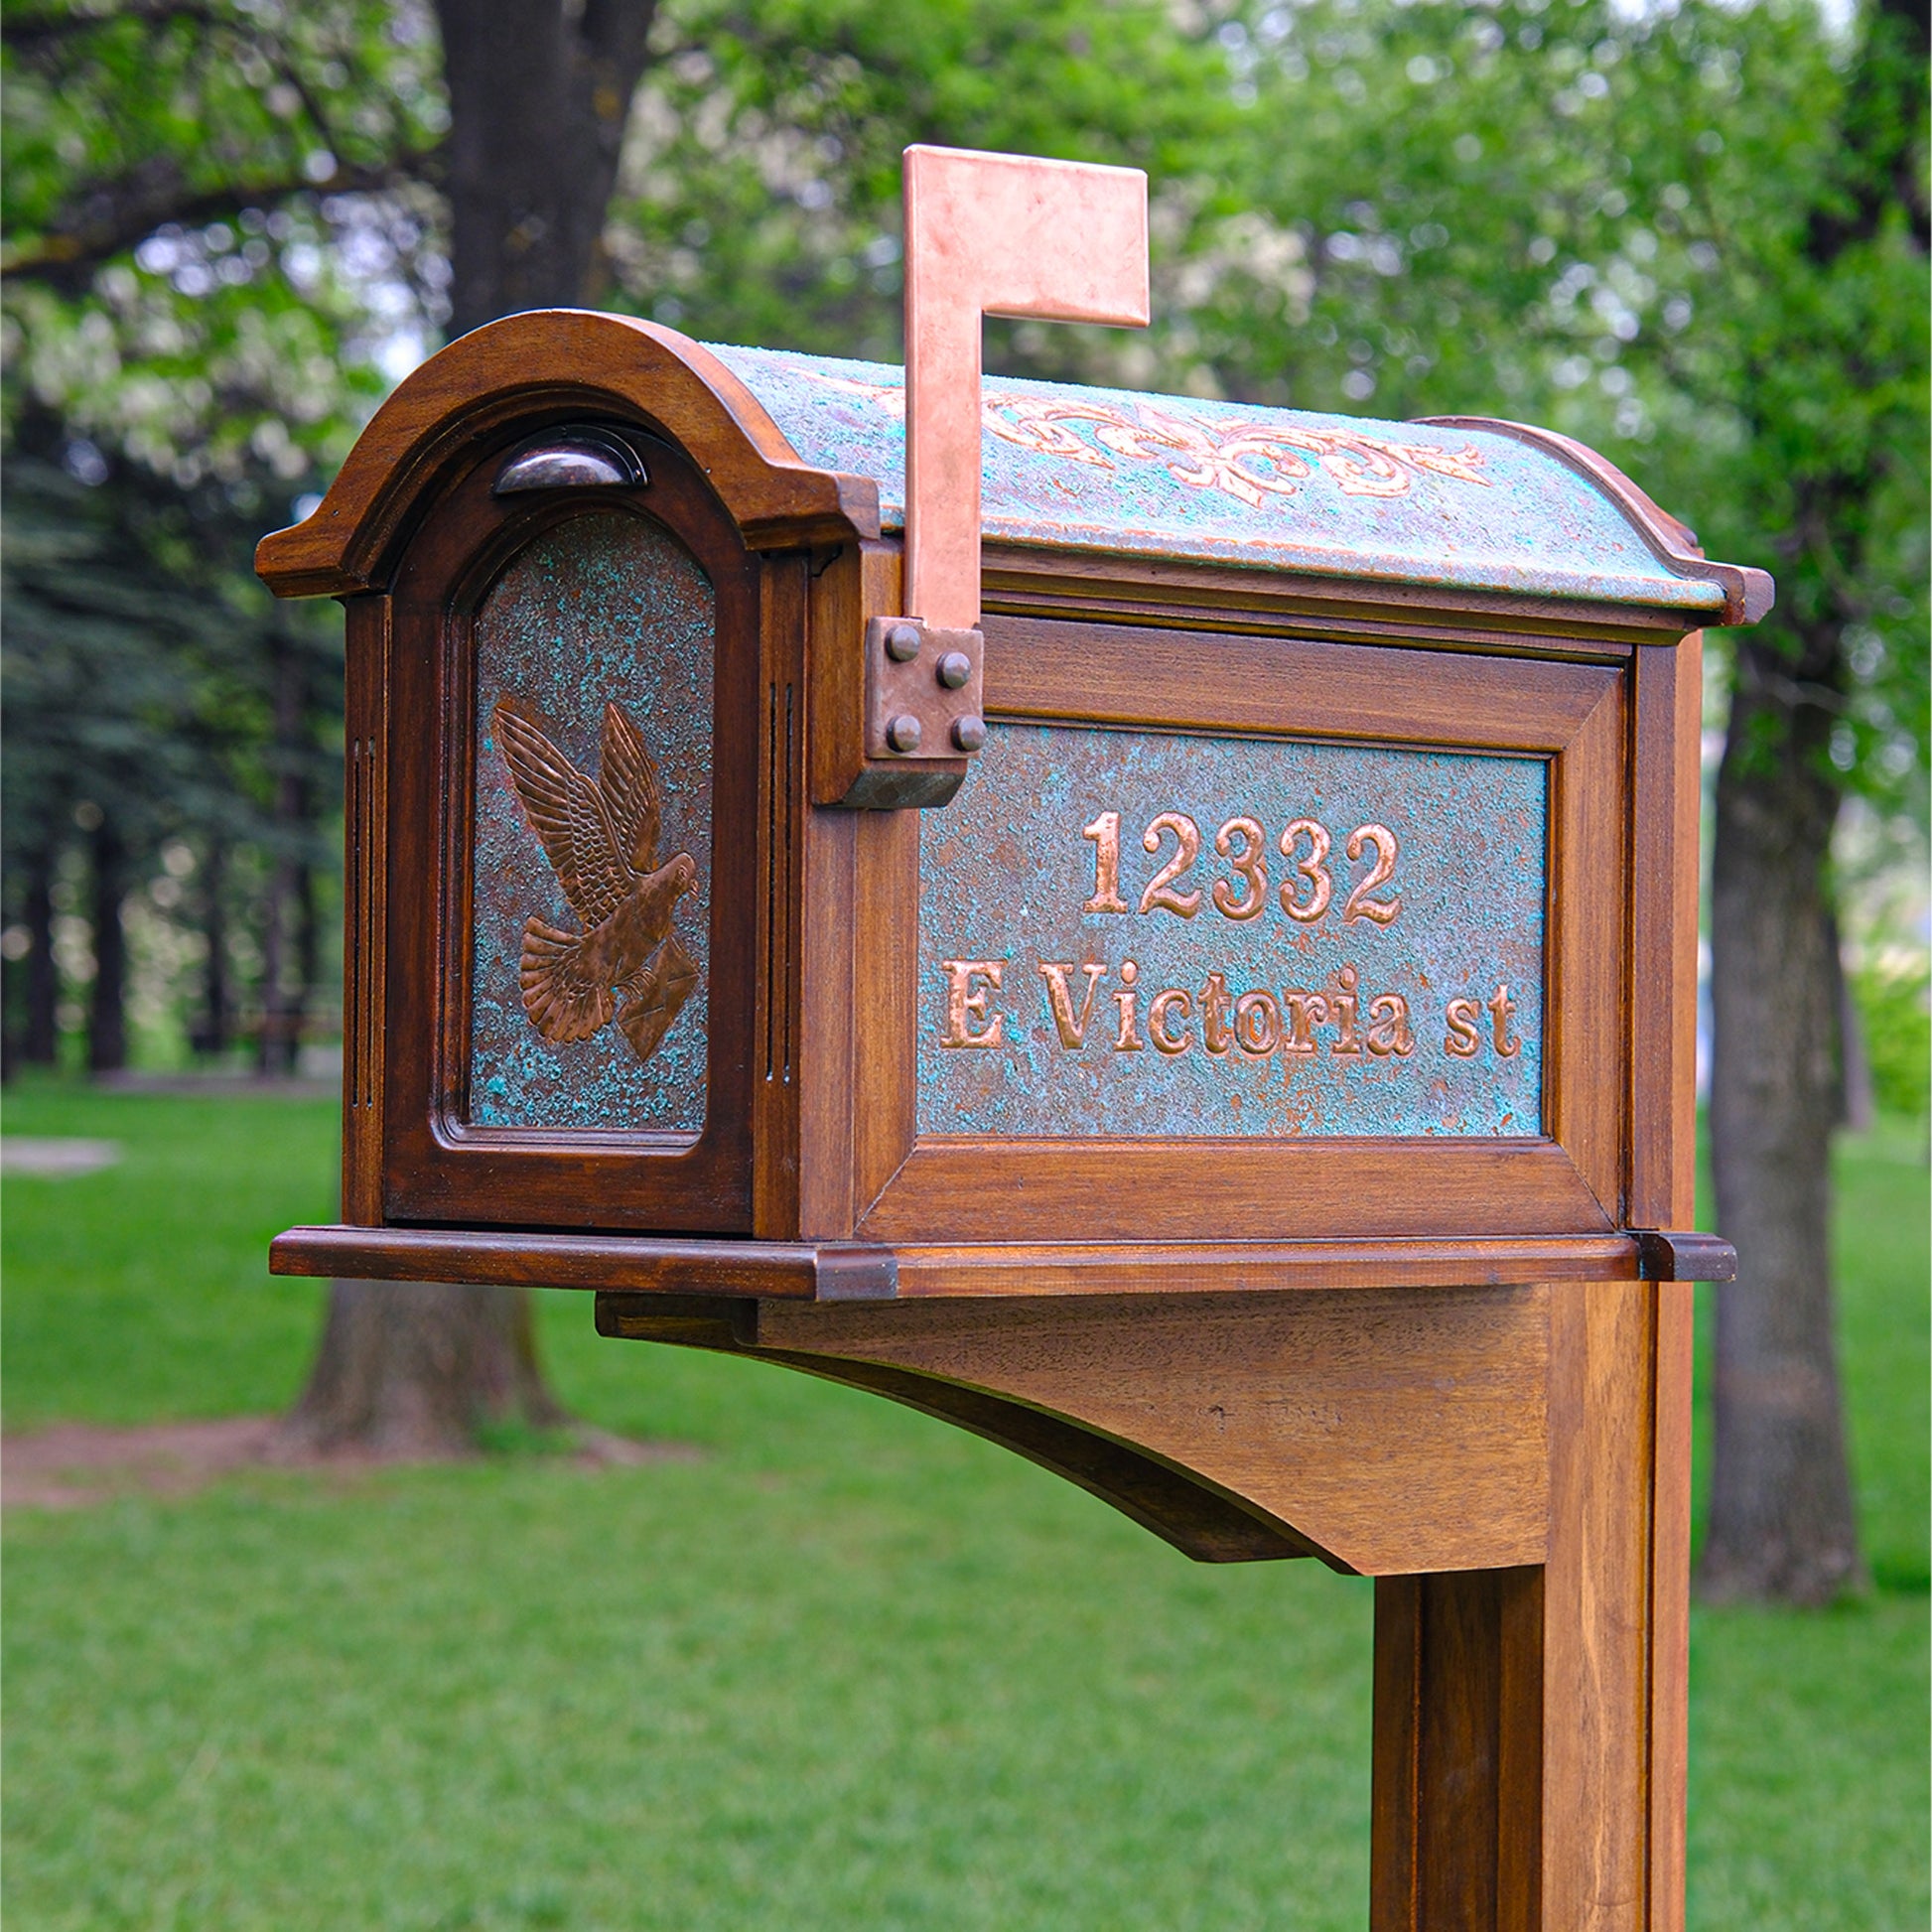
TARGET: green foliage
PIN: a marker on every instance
(1892, 1006)
(139, 659)
(1692, 237)
(205, 209)
(850, 1667)
(760, 199)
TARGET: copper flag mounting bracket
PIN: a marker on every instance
(985, 234)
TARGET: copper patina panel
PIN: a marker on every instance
(592, 848)
(1155, 933)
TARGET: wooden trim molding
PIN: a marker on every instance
(522, 373)
(835, 1271)
(929, 1187)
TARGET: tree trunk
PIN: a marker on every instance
(1856, 1104)
(108, 1008)
(212, 1033)
(275, 1051)
(539, 93)
(1781, 1523)
(415, 1369)
(40, 1037)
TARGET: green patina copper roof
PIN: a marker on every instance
(1108, 470)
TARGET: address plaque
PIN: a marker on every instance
(1157, 933)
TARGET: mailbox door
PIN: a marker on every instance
(567, 799)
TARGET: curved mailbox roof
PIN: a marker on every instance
(803, 448)
(1452, 502)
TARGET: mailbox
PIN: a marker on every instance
(1157, 930)
(1277, 866)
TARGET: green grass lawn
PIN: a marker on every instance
(850, 1669)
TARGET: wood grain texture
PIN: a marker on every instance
(1599, 1630)
(365, 894)
(1165, 680)
(520, 374)
(1665, 720)
(672, 1264)
(1196, 1519)
(1018, 580)
(860, 582)
(775, 1269)
(1584, 960)
(828, 1114)
(1124, 675)
(776, 1046)
(1455, 1825)
(1259, 1267)
(1393, 1430)
(1667, 793)
(885, 1003)
(1182, 1190)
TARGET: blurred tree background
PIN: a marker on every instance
(1691, 235)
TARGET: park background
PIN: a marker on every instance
(680, 1642)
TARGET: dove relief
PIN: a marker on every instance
(600, 837)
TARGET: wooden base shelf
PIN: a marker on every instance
(849, 1272)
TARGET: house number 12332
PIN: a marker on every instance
(1305, 894)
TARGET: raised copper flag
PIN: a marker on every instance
(600, 837)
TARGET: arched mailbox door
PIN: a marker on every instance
(1288, 886)
(572, 849)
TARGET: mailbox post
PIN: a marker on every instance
(1221, 1024)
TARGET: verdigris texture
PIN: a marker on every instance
(1069, 466)
(605, 607)
(1006, 880)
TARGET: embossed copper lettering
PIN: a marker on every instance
(1216, 1034)
(1128, 1040)
(1502, 1007)
(1305, 897)
(1388, 1030)
(1306, 1011)
(1161, 895)
(1358, 904)
(1463, 1018)
(1321, 884)
(1070, 1026)
(1342, 1010)
(1105, 834)
(970, 1018)
(1159, 1027)
(1257, 1023)
(1376, 922)
(1250, 867)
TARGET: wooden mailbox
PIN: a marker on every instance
(1224, 1024)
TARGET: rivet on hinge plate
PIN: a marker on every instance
(925, 691)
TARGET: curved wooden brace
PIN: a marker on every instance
(1195, 1518)
(1386, 1430)
(1748, 593)
(557, 363)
